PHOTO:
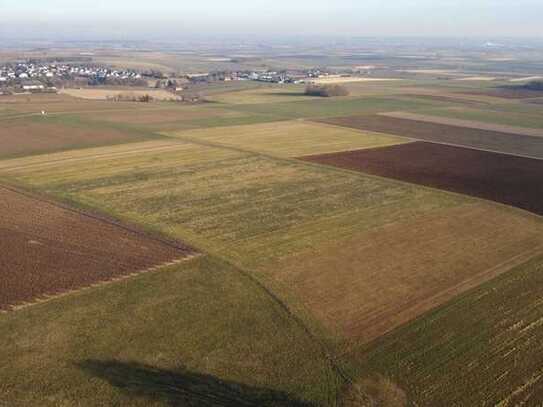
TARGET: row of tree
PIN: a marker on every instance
(326, 90)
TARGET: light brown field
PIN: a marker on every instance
(472, 124)
(104, 94)
(369, 284)
(164, 115)
(23, 105)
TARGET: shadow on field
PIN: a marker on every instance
(184, 388)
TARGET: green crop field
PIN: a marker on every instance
(159, 339)
(313, 286)
(331, 107)
(498, 115)
(483, 348)
(226, 200)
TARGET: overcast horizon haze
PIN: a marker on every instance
(163, 19)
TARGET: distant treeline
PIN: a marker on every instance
(534, 85)
(326, 90)
(130, 97)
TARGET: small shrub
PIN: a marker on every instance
(326, 90)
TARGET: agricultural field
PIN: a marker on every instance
(528, 146)
(262, 211)
(499, 115)
(289, 138)
(163, 338)
(263, 94)
(105, 94)
(502, 178)
(508, 93)
(55, 250)
(482, 348)
(41, 134)
(28, 105)
(341, 256)
(472, 124)
(375, 280)
(326, 107)
(169, 118)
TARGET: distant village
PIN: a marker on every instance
(34, 77)
(292, 76)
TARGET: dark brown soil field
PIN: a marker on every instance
(470, 124)
(502, 178)
(46, 249)
(441, 133)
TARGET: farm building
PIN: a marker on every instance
(33, 86)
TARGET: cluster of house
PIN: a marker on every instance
(30, 70)
(36, 76)
(260, 76)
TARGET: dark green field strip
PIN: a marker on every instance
(483, 348)
(493, 115)
(332, 107)
(34, 135)
(198, 332)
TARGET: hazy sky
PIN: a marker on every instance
(137, 18)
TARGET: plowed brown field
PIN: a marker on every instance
(524, 145)
(502, 178)
(470, 124)
(46, 249)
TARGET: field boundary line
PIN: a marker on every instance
(331, 356)
(51, 297)
(131, 228)
(443, 297)
(464, 123)
(323, 167)
(444, 143)
(190, 254)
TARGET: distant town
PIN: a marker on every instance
(34, 76)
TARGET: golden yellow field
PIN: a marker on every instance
(104, 94)
(290, 138)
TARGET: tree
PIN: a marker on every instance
(326, 90)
